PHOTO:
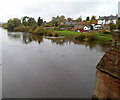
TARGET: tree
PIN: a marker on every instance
(55, 21)
(40, 21)
(31, 22)
(112, 26)
(91, 27)
(28, 21)
(13, 23)
(62, 18)
(69, 19)
(79, 19)
(93, 18)
(25, 20)
(88, 18)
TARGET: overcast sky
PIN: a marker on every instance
(48, 8)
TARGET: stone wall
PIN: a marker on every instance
(110, 63)
(106, 86)
(108, 72)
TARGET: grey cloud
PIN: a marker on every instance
(36, 8)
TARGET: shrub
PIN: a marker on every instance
(58, 29)
(23, 28)
(80, 37)
(90, 36)
(5, 25)
(40, 30)
(52, 33)
(105, 32)
(86, 36)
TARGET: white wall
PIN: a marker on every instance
(96, 27)
(106, 22)
(86, 28)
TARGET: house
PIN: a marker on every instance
(86, 27)
(82, 26)
(97, 27)
(95, 22)
(68, 23)
(107, 20)
(106, 27)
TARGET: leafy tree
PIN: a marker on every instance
(88, 18)
(40, 21)
(112, 26)
(93, 18)
(55, 21)
(44, 22)
(79, 19)
(62, 18)
(31, 22)
(13, 23)
(69, 19)
(25, 20)
(28, 21)
(91, 27)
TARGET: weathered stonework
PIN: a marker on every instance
(106, 87)
(110, 63)
(108, 72)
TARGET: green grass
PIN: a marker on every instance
(104, 38)
(68, 33)
(96, 37)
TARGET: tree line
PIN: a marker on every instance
(25, 21)
(30, 21)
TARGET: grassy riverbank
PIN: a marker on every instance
(95, 37)
(92, 37)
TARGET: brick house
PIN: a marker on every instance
(82, 26)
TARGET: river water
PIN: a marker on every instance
(48, 67)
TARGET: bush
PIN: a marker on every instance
(40, 30)
(32, 29)
(22, 29)
(86, 36)
(80, 37)
(58, 29)
(105, 32)
(52, 33)
(5, 25)
(90, 36)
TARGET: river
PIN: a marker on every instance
(48, 67)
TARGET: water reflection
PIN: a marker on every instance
(27, 38)
(48, 67)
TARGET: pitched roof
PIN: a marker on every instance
(87, 26)
(82, 23)
(107, 17)
(95, 22)
(69, 23)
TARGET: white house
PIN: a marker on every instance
(107, 20)
(86, 28)
(97, 27)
